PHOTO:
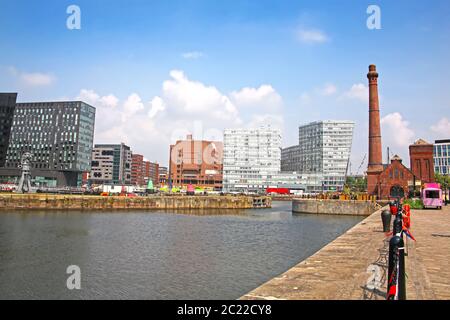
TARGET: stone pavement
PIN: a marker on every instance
(428, 261)
(354, 265)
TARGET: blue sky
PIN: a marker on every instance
(158, 69)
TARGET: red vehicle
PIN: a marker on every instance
(278, 191)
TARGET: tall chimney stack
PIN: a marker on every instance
(375, 166)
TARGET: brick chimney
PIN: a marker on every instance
(375, 166)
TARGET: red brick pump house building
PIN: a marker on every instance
(394, 179)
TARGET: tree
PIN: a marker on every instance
(356, 184)
(443, 180)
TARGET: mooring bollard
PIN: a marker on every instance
(396, 289)
(397, 226)
(386, 219)
(393, 207)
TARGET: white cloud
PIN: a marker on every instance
(328, 90)
(92, 98)
(359, 92)
(157, 105)
(192, 55)
(263, 97)
(396, 132)
(312, 36)
(272, 120)
(36, 79)
(191, 97)
(183, 106)
(132, 105)
(442, 128)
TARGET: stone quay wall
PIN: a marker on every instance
(335, 207)
(78, 202)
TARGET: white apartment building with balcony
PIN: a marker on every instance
(252, 158)
(324, 149)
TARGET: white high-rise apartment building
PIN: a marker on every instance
(251, 158)
(324, 148)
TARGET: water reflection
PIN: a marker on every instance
(156, 255)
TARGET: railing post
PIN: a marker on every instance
(396, 288)
(386, 217)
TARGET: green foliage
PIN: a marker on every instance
(444, 180)
(355, 184)
(414, 203)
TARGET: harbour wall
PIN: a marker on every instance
(335, 207)
(338, 271)
(79, 202)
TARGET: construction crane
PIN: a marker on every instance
(362, 163)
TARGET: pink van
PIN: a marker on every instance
(432, 196)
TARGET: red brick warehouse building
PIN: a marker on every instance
(421, 160)
(142, 171)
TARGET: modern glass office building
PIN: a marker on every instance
(59, 136)
(7, 106)
(324, 148)
(252, 157)
(442, 156)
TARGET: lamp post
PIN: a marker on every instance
(446, 188)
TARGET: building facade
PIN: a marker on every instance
(324, 149)
(441, 155)
(291, 159)
(252, 157)
(395, 180)
(163, 176)
(197, 163)
(7, 106)
(59, 136)
(142, 171)
(421, 161)
(137, 170)
(151, 172)
(111, 164)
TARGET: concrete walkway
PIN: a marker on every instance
(428, 261)
(354, 265)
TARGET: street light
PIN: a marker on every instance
(446, 188)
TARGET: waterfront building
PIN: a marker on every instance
(143, 170)
(151, 172)
(394, 179)
(7, 106)
(59, 136)
(298, 182)
(324, 149)
(111, 164)
(441, 156)
(137, 170)
(197, 163)
(421, 161)
(252, 157)
(163, 176)
(291, 159)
